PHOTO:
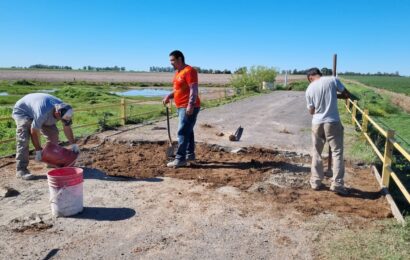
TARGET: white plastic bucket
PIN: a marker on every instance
(66, 191)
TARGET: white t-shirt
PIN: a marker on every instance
(37, 107)
(321, 95)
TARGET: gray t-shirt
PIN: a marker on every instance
(321, 95)
(37, 107)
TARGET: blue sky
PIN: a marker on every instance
(368, 36)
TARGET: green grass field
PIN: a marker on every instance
(394, 84)
(384, 112)
(80, 97)
(86, 96)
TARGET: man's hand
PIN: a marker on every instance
(344, 95)
(38, 156)
(189, 110)
(75, 148)
(165, 100)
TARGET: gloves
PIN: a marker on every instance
(75, 148)
(38, 156)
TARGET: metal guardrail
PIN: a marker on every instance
(390, 144)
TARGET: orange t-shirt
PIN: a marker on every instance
(182, 81)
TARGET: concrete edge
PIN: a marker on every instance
(393, 206)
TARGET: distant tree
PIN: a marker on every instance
(326, 72)
(240, 70)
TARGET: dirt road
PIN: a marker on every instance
(276, 120)
(252, 204)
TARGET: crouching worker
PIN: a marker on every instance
(185, 95)
(34, 114)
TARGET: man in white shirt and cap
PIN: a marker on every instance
(37, 114)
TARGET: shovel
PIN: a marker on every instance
(170, 153)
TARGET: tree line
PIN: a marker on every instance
(327, 72)
(50, 67)
(115, 68)
(199, 69)
(56, 67)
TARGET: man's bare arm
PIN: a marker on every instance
(35, 138)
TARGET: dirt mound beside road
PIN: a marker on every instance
(277, 177)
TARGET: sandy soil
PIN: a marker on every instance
(244, 203)
(46, 75)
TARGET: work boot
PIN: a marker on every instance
(341, 190)
(317, 187)
(25, 175)
(190, 157)
(176, 163)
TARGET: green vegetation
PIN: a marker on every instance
(391, 83)
(84, 97)
(298, 85)
(384, 240)
(384, 112)
(252, 79)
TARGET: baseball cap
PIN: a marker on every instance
(66, 112)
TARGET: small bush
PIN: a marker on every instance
(298, 85)
(24, 82)
(252, 79)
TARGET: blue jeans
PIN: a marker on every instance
(186, 139)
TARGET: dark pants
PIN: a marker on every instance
(186, 139)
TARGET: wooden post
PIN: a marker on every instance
(123, 109)
(354, 111)
(365, 121)
(387, 159)
(244, 90)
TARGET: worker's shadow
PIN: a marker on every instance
(105, 214)
(92, 173)
(367, 195)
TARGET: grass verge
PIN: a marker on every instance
(383, 240)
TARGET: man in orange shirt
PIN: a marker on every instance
(185, 95)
